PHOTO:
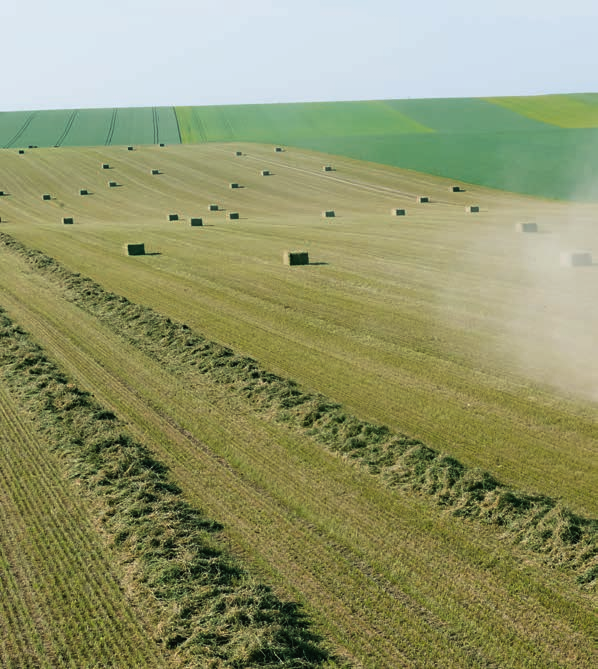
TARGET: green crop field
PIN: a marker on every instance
(538, 145)
(566, 111)
(421, 494)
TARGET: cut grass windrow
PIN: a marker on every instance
(208, 610)
(539, 523)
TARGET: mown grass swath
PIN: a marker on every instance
(537, 522)
(207, 608)
(61, 597)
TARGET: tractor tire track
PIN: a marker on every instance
(67, 128)
(111, 127)
(20, 132)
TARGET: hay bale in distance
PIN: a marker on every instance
(265, 173)
(21, 152)
(295, 258)
(162, 144)
(330, 213)
(67, 221)
(46, 196)
(135, 249)
(327, 168)
(155, 171)
(196, 221)
(526, 227)
(472, 209)
(213, 207)
(83, 191)
(397, 212)
(238, 153)
(105, 166)
(112, 184)
(130, 148)
(278, 149)
(455, 189)
(234, 185)
(422, 199)
(233, 215)
(2, 193)
(173, 217)
(576, 259)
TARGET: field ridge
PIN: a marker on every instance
(537, 522)
(208, 610)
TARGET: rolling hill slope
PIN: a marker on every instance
(544, 145)
(447, 326)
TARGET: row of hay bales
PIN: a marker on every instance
(290, 258)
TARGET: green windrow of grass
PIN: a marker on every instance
(538, 522)
(206, 608)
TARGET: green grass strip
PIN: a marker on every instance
(564, 111)
(208, 610)
(541, 524)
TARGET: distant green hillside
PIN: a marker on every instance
(542, 145)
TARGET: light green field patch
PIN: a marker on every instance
(564, 111)
(464, 115)
(288, 122)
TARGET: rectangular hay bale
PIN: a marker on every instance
(265, 173)
(46, 196)
(397, 212)
(105, 166)
(422, 199)
(526, 227)
(330, 213)
(67, 221)
(213, 207)
(233, 215)
(196, 221)
(576, 258)
(472, 209)
(295, 258)
(455, 189)
(173, 217)
(83, 191)
(327, 168)
(135, 249)
(234, 185)
(155, 171)
(112, 184)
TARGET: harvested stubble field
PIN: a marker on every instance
(448, 328)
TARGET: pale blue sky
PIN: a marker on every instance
(67, 53)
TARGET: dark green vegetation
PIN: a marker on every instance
(89, 127)
(543, 145)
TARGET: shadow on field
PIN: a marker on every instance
(152, 253)
(318, 263)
